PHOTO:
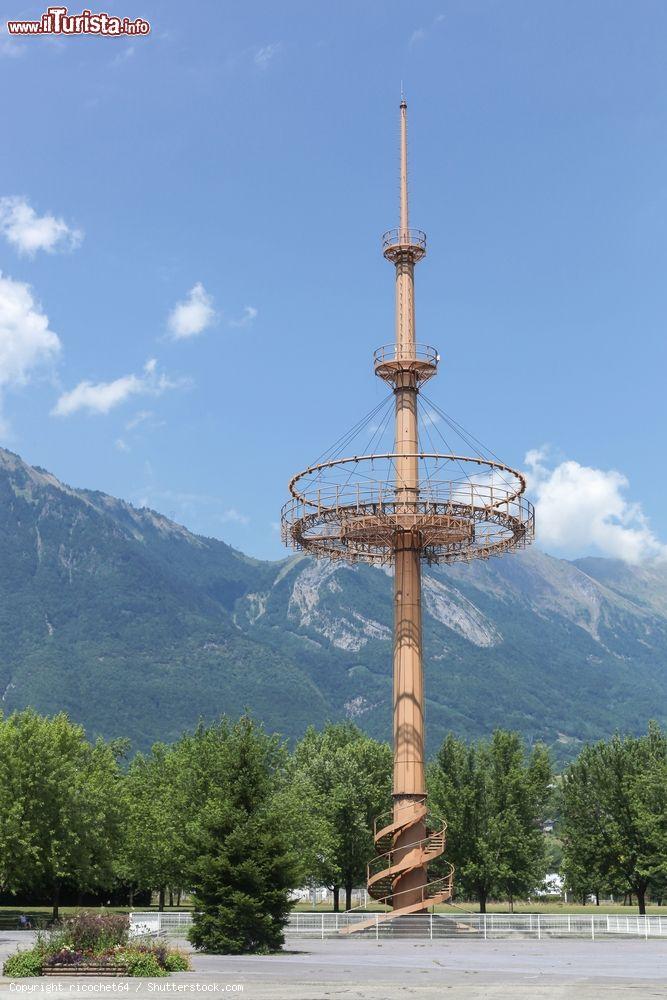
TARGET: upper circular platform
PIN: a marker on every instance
(397, 243)
(391, 361)
(360, 509)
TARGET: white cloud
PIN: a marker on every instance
(25, 338)
(266, 53)
(249, 315)
(200, 511)
(140, 417)
(11, 49)
(259, 56)
(429, 418)
(192, 316)
(419, 34)
(10, 46)
(232, 514)
(122, 56)
(29, 232)
(195, 314)
(580, 509)
(121, 445)
(101, 397)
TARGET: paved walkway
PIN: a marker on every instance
(347, 969)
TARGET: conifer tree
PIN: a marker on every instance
(247, 863)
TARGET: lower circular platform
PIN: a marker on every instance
(359, 527)
(340, 510)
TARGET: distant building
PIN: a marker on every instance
(552, 886)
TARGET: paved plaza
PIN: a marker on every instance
(349, 969)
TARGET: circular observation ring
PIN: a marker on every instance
(398, 243)
(391, 361)
(361, 507)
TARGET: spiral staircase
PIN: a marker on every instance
(393, 863)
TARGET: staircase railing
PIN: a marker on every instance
(431, 846)
(439, 889)
(386, 871)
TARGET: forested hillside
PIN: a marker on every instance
(137, 627)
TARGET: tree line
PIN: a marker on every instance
(230, 814)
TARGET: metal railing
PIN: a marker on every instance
(382, 492)
(440, 888)
(363, 530)
(483, 926)
(153, 922)
(385, 821)
(434, 843)
(495, 509)
(408, 239)
(417, 352)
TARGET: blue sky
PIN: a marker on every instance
(241, 160)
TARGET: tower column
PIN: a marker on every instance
(409, 785)
(405, 307)
(407, 544)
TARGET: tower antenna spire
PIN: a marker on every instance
(404, 221)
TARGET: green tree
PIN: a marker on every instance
(583, 864)
(350, 775)
(247, 864)
(614, 825)
(493, 799)
(148, 859)
(60, 806)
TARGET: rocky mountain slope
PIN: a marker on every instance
(137, 627)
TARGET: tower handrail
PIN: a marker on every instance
(428, 886)
(431, 491)
(483, 463)
(391, 814)
(435, 835)
(398, 352)
(399, 237)
(427, 891)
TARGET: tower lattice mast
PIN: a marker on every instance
(405, 507)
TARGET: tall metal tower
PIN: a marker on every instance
(407, 506)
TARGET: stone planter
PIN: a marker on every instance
(85, 969)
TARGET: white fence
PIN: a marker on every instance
(151, 922)
(480, 925)
(438, 925)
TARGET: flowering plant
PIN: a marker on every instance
(64, 956)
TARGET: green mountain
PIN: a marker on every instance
(137, 627)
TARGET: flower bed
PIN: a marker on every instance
(91, 944)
